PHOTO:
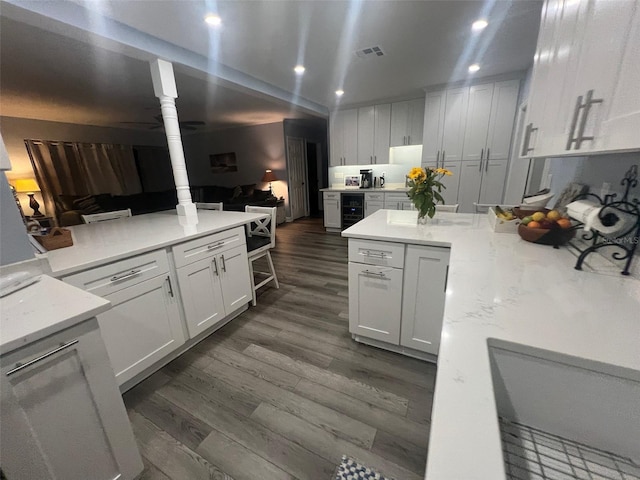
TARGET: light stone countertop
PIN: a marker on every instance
(365, 190)
(104, 242)
(42, 309)
(502, 287)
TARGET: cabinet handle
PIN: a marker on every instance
(20, 366)
(371, 159)
(115, 278)
(589, 101)
(437, 157)
(215, 245)
(443, 156)
(481, 157)
(224, 265)
(527, 138)
(369, 253)
(375, 159)
(377, 274)
(486, 165)
(446, 279)
(574, 122)
(408, 139)
(170, 286)
(404, 140)
(215, 266)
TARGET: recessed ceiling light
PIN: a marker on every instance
(479, 25)
(214, 20)
(474, 68)
(299, 69)
(340, 92)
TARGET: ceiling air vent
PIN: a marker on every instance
(370, 52)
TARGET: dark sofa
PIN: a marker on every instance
(71, 207)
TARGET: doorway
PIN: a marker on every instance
(297, 172)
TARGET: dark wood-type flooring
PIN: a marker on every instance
(283, 391)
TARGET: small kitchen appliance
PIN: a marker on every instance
(366, 178)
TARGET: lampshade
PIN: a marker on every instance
(269, 176)
(26, 185)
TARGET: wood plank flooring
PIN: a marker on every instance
(282, 392)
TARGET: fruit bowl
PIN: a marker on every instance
(546, 236)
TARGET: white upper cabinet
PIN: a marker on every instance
(586, 71)
(434, 109)
(407, 122)
(503, 113)
(343, 132)
(455, 117)
(478, 113)
(374, 125)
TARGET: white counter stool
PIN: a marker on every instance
(101, 217)
(209, 206)
(448, 208)
(261, 237)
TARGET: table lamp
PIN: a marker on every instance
(269, 176)
(29, 186)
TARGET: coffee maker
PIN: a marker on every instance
(366, 178)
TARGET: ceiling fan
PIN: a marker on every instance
(159, 123)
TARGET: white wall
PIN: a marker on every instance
(257, 149)
(13, 233)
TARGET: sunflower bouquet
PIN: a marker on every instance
(425, 188)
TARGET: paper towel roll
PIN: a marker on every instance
(588, 213)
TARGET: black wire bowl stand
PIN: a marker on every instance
(626, 241)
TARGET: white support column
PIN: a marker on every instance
(164, 87)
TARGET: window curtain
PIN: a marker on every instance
(63, 168)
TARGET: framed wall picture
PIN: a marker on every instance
(223, 162)
(352, 181)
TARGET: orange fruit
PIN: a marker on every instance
(564, 222)
(533, 224)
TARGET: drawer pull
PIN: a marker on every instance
(20, 366)
(170, 286)
(369, 253)
(224, 265)
(213, 246)
(215, 266)
(375, 274)
(115, 278)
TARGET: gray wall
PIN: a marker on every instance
(257, 148)
(14, 243)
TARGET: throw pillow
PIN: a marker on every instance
(247, 190)
(87, 205)
(237, 192)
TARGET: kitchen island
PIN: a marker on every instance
(171, 281)
(505, 293)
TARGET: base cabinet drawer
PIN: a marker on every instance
(61, 412)
(143, 326)
(205, 247)
(371, 252)
(375, 301)
(213, 288)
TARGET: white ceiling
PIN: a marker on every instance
(425, 43)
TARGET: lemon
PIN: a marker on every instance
(553, 215)
(538, 216)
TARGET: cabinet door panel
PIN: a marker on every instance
(236, 285)
(366, 129)
(399, 123)
(332, 218)
(469, 189)
(350, 139)
(493, 182)
(503, 113)
(201, 294)
(433, 126)
(336, 138)
(478, 114)
(375, 296)
(425, 274)
(452, 183)
(372, 207)
(382, 133)
(622, 124)
(454, 123)
(416, 121)
(142, 327)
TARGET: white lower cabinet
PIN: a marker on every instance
(397, 294)
(61, 411)
(481, 182)
(142, 327)
(214, 287)
(398, 201)
(373, 202)
(423, 297)
(375, 299)
(332, 211)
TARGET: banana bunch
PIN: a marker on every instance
(501, 214)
